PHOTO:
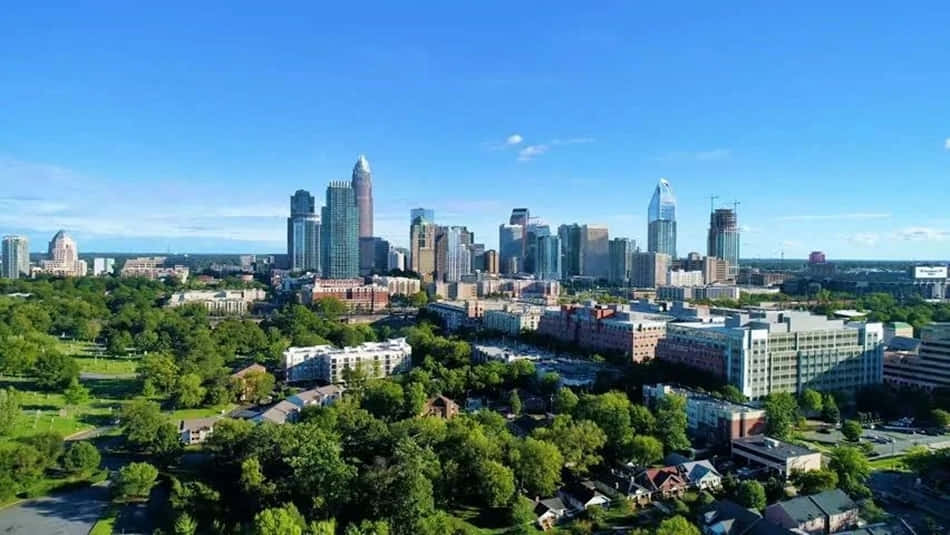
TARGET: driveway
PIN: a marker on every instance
(69, 513)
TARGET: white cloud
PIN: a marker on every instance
(826, 217)
(867, 239)
(514, 139)
(922, 234)
(715, 154)
(531, 152)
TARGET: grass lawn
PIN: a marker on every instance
(107, 365)
(480, 520)
(206, 412)
(890, 463)
(105, 524)
(47, 411)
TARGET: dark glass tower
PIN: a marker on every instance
(340, 225)
(724, 237)
(303, 233)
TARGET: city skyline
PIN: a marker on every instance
(183, 161)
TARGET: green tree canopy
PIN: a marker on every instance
(751, 494)
(134, 481)
(781, 413)
(81, 458)
(671, 422)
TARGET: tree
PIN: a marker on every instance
(418, 299)
(119, 343)
(384, 399)
(940, 418)
(852, 430)
(829, 409)
(733, 394)
(811, 401)
(329, 307)
(54, 370)
(81, 458)
(134, 481)
(188, 391)
(579, 442)
(611, 413)
(671, 422)
(539, 466)
(75, 393)
(781, 413)
(852, 468)
(9, 409)
(514, 401)
(496, 483)
(159, 372)
(185, 525)
(646, 450)
(815, 481)
(564, 400)
(521, 511)
(147, 429)
(751, 494)
(642, 420)
(676, 525)
(285, 520)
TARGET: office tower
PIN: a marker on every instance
(340, 226)
(63, 258)
(16, 257)
(816, 257)
(595, 251)
(547, 257)
(650, 269)
(929, 369)
(519, 216)
(571, 255)
(426, 213)
(661, 220)
(362, 185)
(381, 255)
(303, 233)
(422, 248)
(491, 261)
(621, 260)
(724, 238)
(397, 259)
(477, 252)
(510, 247)
(761, 352)
(367, 254)
(103, 266)
(533, 232)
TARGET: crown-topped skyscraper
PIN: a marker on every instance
(363, 186)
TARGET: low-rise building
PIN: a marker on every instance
(399, 285)
(358, 296)
(289, 409)
(549, 512)
(329, 363)
(440, 407)
(196, 430)
(153, 268)
(897, 328)
(701, 475)
(820, 514)
(775, 455)
(679, 277)
(581, 495)
(606, 328)
(929, 368)
(513, 319)
(724, 517)
(708, 418)
(663, 483)
(219, 302)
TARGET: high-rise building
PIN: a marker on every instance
(929, 368)
(595, 251)
(63, 257)
(572, 263)
(362, 185)
(621, 260)
(650, 269)
(491, 261)
(724, 238)
(477, 252)
(661, 220)
(816, 257)
(340, 226)
(422, 248)
(303, 233)
(16, 257)
(397, 259)
(780, 351)
(533, 232)
(425, 213)
(510, 247)
(548, 258)
(103, 266)
(381, 254)
(458, 261)
(519, 216)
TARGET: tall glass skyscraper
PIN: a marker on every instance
(548, 257)
(571, 255)
(458, 259)
(303, 233)
(425, 213)
(661, 220)
(340, 226)
(510, 247)
(621, 260)
(16, 257)
(724, 238)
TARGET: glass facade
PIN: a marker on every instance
(548, 258)
(303, 233)
(661, 220)
(340, 226)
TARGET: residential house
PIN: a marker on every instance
(289, 409)
(441, 407)
(663, 482)
(241, 374)
(728, 518)
(549, 512)
(823, 513)
(619, 483)
(580, 495)
(701, 475)
(196, 430)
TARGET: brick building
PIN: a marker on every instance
(606, 328)
(354, 293)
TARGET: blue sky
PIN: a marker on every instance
(187, 128)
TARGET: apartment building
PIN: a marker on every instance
(354, 293)
(328, 363)
(606, 328)
(219, 302)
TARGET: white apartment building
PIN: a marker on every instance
(327, 363)
(679, 277)
(513, 319)
(219, 302)
(103, 266)
(153, 268)
(399, 285)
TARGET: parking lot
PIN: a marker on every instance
(886, 443)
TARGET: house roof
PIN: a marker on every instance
(582, 491)
(833, 502)
(904, 343)
(550, 504)
(800, 510)
(657, 477)
(315, 394)
(697, 470)
(279, 413)
(441, 401)
(197, 424)
(727, 518)
(252, 368)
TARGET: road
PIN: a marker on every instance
(68, 513)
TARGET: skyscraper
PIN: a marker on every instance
(661, 220)
(650, 269)
(519, 216)
(362, 184)
(571, 258)
(547, 257)
(510, 247)
(621, 260)
(533, 232)
(16, 257)
(458, 260)
(426, 213)
(595, 251)
(63, 257)
(724, 238)
(303, 233)
(340, 232)
(422, 248)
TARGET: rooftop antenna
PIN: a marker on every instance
(712, 203)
